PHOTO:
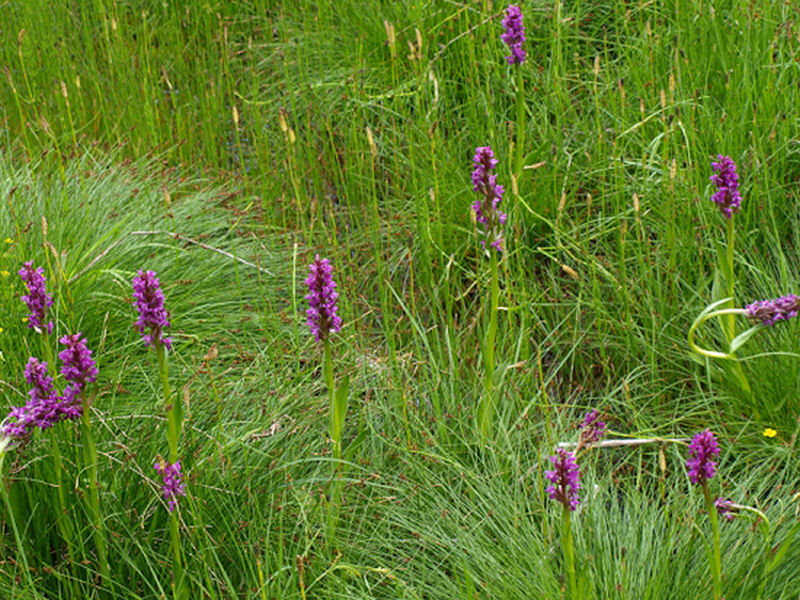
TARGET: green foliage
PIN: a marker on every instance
(223, 144)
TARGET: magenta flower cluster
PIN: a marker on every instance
(40, 411)
(322, 296)
(78, 369)
(727, 196)
(172, 482)
(153, 317)
(769, 312)
(565, 479)
(702, 449)
(37, 299)
(592, 428)
(45, 407)
(513, 34)
(724, 508)
(487, 212)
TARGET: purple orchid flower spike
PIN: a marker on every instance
(322, 297)
(172, 482)
(37, 299)
(703, 448)
(769, 312)
(513, 35)
(153, 317)
(592, 428)
(487, 211)
(726, 179)
(78, 369)
(724, 508)
(565, 478)
(42, 410)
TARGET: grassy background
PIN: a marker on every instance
(276, 130)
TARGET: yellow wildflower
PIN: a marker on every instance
(9, 241)
(770, 433)
(5, 273)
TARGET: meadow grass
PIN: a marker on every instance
(223, 145)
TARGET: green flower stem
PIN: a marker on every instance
(487, 409)
(730, 320)
(569, 553)
(63, 524)
(716, 563)
(10, 512)
(179, 589)
(173, 419)
(726, 313)
(90, 456)
(327, 373)
(520, 126)
(336, 438)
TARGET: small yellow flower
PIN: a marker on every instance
(770, 433)
(5, 273)
(9, 241)
(1, 330)
(24, 319)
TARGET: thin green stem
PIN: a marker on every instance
(63, 522)
(327, 371)
(702, 319)
(520, 127)
(174, 417)
(336, 438)
(90, 456)
(730, 322)
(486, 413)
(716, 563)
(569, 553)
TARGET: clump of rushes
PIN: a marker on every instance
(152, 322)
(322, 321)
(701, 468)
(491, 220)
(37, 299)
(565, 483)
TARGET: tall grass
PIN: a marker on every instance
(223, 145)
